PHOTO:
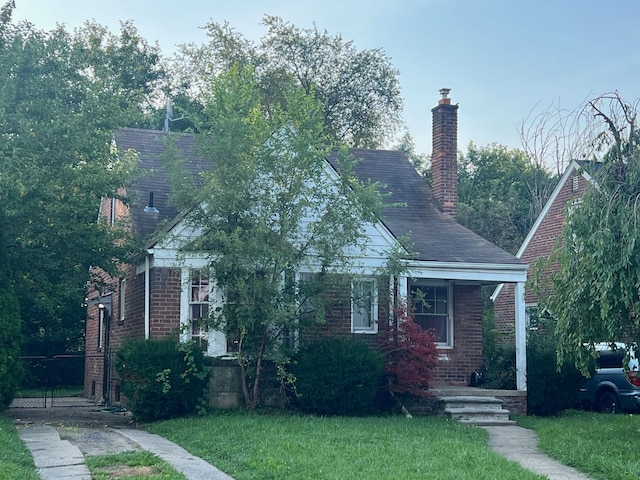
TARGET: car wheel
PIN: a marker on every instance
(608, 403)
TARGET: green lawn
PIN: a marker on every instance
(604, 446)
(16, 462)
(283, 446)
(131, 466)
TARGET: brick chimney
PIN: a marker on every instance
(444, 161)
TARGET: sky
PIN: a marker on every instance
(505, 60)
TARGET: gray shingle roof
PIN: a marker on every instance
(435, 236)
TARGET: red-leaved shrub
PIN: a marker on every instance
(410, 354)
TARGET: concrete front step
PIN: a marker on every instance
(476, 410)
(471, 402)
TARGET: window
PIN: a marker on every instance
(364, 306)
(433, 309)
(199, 308)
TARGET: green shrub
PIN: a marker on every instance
(549, 391)
(337, 376)
(10, 337)
(162, 378)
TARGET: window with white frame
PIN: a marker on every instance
(433, 308)
(199, 308)
(364, 306)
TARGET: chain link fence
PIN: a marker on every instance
(52, 382)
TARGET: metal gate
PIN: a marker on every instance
(52, 382)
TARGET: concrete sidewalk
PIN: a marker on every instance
(521, 445)
(58, 459)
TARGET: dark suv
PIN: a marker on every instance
(613, 388)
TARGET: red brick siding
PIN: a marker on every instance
(540, 246)
(444, 169)
(165, 303)
(466, 355)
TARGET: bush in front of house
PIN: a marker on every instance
(162, 378)
(410, 355)
(549, 391)
(336, 376)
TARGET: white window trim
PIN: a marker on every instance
(217, 345)
(374, 307)
(450, 312)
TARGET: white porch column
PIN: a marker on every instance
(521, 338)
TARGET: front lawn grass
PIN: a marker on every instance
(604, 446)
(287, 447)
(131, 466)
(16, 462)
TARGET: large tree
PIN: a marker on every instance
(269, 209)
(358, 89)
(61, 96)
(594, 292)
(501, 191)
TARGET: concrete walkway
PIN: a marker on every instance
(521, 445)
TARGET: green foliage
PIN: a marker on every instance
(500, 193)
(268, 203)
(162, 378)
(10, 340)
(594, 290)
(358, 90)
(498, 358)
(336, 376)
(16, 462)
(300, 447)
(61, 97)
(599, 445)
(550, 388)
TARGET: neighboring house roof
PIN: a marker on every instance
(586, 169)
(433, 236)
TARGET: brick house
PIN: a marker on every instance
(160, 295)
(540, 240)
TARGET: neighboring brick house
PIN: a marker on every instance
(540, 240)
(161, 295)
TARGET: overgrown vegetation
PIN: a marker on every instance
(336, 376)
(603, 446)
(292, 447)
(10, 337)
(162, 378)
(551, 388)
(268, 177)
(592, 288)
(16, 462)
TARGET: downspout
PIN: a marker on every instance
(147, 295)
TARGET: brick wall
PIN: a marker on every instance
(165, 303)
(540, 246)
(456, 364)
